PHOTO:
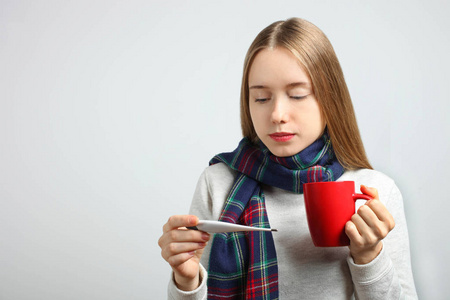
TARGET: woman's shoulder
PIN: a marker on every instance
(219, 171)
(369, 174)
(369, 177)
(218, 178)
(212, 190)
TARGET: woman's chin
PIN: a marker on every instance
(285, 151)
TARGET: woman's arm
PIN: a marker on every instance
(201, 208)
(388, 275)
(182, 249)
(368, 227)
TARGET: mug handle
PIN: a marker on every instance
(361, 196)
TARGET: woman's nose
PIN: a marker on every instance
(280, 111)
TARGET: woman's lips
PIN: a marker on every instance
(281, 136)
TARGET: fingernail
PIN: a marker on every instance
(205, 236)
(202, 244)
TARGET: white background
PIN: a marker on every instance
(110, 110)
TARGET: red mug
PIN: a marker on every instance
(329, 206)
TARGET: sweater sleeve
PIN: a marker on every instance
(389, 275)
(173, 293)
(202, 206)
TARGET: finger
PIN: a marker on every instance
(361, 225)
(173, 249)
(378, 229)
(372, 192)
(382, 213)
(368, 216)
(181, 258)
(369, 235)
(183, 235)
(353, 234)
(178, 221)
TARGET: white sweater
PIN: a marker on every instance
(305, 271)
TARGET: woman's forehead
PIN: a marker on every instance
(278, 67)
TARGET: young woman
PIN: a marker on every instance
(299, 126)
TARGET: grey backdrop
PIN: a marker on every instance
(110, 110)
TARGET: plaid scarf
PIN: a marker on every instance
(244, 265)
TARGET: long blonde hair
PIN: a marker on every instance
(316, 54)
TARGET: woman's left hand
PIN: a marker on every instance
(368, 227)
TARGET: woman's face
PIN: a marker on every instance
(284, 111)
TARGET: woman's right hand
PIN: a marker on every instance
(182, 249)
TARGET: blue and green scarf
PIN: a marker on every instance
(244, 265)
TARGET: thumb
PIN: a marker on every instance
(372, 192)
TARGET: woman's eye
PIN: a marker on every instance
(299, 97)
(262, 100)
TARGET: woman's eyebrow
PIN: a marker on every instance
(257, 87)
(300, 83)
(290, 85)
